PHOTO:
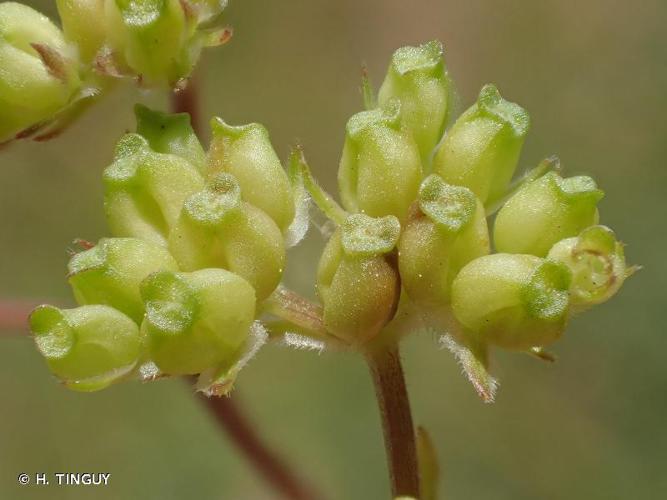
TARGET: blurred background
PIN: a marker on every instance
(592, 75)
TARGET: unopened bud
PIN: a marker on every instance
(110, 273)
(544, 212)
(84, 24)
(196, 321)
(145, 190)
(160, 40)
(418, 79)
(245, 151)
(597, 263)
(217, 229)
(170, 134)
(380, 169)
(38, 71)
(513, 301)
(357, 280)
(482, 149)
(446, 232)
(89, 347)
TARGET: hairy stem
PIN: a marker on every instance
(399, 432)
(228, 414)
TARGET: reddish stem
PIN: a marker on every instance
(399, 432)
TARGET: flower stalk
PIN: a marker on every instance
(399, 433)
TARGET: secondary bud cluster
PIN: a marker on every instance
(552, 259)
(48, 74)
(179, 285)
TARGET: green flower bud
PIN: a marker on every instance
(196, 321)
(145, 190)
(481, 150)
(380, 169)
(417, 78)
(110, 273)
(245, 151)
(38, 75)
(357, 279)
(89, 347)
(148, 37)
(84, 24)
(597, 263)
(513, 301)
(217, 229)
(544, 212)
(159, 40)
(448, 231)
(170, 134)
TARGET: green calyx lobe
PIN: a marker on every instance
(490, 103)
(386, 116)
(141, 13)
(171, 304)
(217, 203)
(577, 189)
(364, 236)
(546, 292)
(450, 207)
(170, 133)
(53, 335)
(424, 58)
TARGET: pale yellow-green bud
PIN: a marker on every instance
(544, 212)
(144, 191)
(445, 232)
(110, 273)
(513, 301)
(196, 321)
(417, 77)
(245, 151)
(380, 169)
(84, 24)
(481, 150)
(217, 229)
(89, 347)
(357, 278)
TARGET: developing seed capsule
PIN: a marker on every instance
(444, 234)
(245, 151)
(482, 149)
(217, 229)
(111, 271)
(144, 191)
(544, 212)
(84, 24)
(170, 134)
(357, 279)
(196, 321)
(89, 347)
(38, 71)
(597, 263)
(418, 79)
(380, 169)
(513, 301)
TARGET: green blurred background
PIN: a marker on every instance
(593, 76)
